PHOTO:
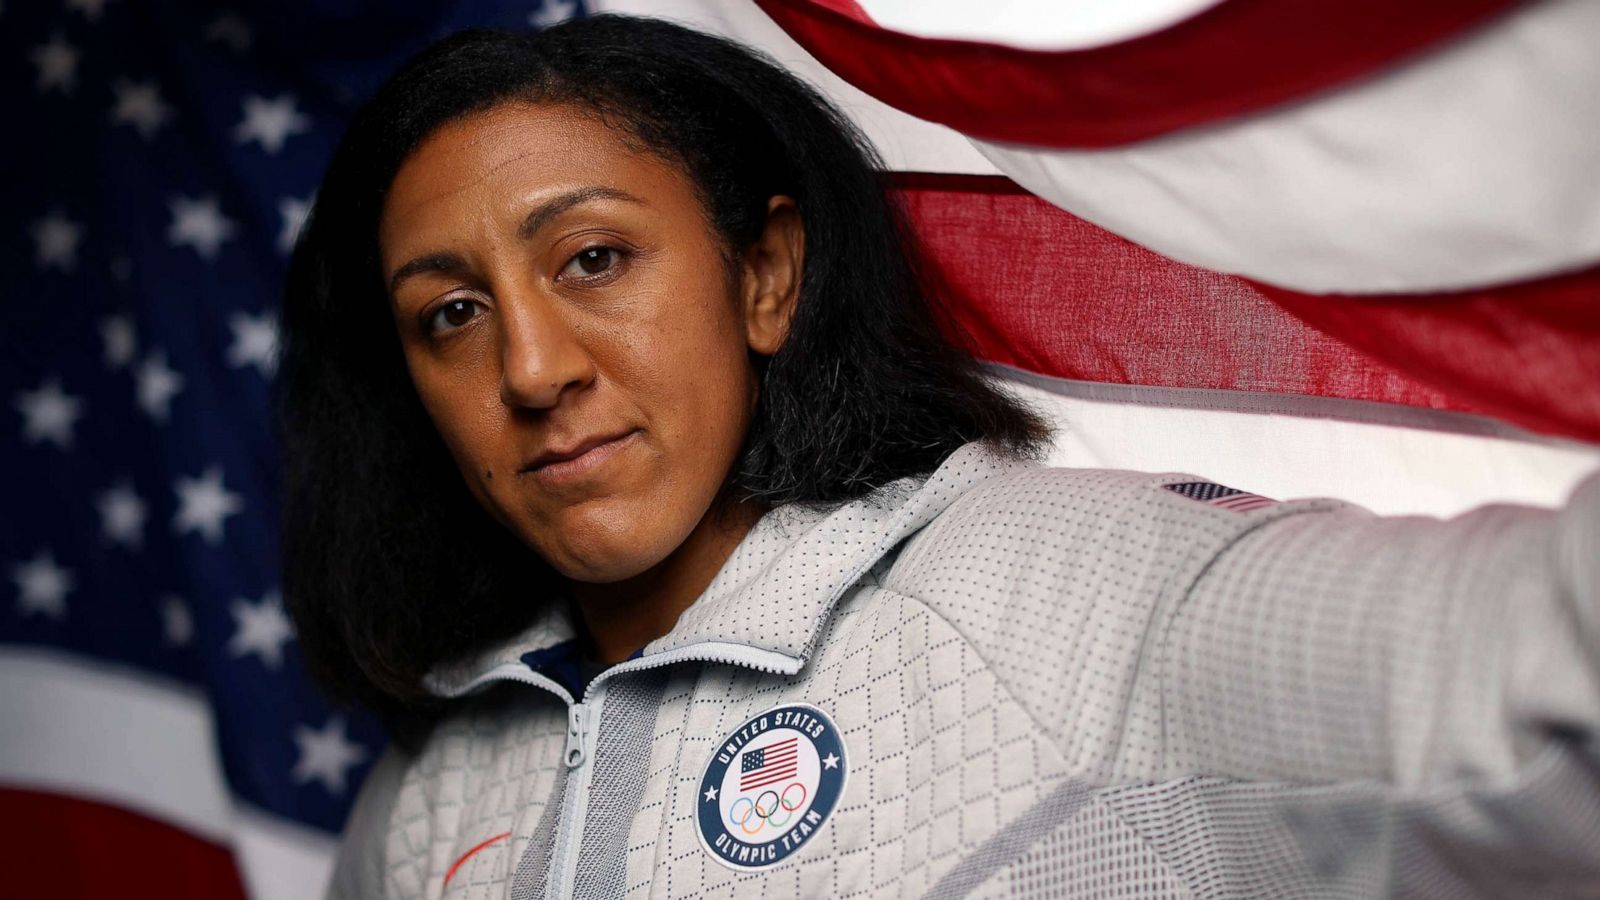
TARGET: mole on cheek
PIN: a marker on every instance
(488, 474)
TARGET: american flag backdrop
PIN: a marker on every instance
(156, 730)
(1302, 249)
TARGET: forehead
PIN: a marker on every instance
(499, 160)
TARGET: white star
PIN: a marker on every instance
(231, 30)
(42, 586)
(711, 793)
(158, 384)
(552, 12)
(49, 413)
(91, 9)
(255, 342)
(830, 761)
(270, 122)
(203, 503)
(260, 628)
(140, 104)
(116, 333)
(294, 212)
(176, 622)
(122, 515)
(57, 62)
(55, 239)
(199, 222)
(326, 754)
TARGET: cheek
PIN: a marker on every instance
(697, 367)
(463, 403)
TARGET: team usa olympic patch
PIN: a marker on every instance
(769, 787)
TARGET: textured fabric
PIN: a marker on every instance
(1094, 854)
(491, 770)
(1072, 682)
(533, 868)
(1012, 841)
(358, 876)
(628, 724)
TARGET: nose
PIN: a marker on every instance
(541, 356)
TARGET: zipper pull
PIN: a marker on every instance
(575, 730)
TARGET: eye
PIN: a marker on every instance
(452, 315)
(591, 261)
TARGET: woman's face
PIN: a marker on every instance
(575, 331)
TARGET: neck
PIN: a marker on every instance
(623, 616)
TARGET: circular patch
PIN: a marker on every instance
(769, 786)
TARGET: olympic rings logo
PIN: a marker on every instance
(764, 810)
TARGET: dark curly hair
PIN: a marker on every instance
(389, 565)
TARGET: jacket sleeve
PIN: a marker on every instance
(359, 869)
(1413, 652)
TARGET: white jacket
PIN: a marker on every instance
(1012, 680)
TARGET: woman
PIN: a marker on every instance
(630, 478)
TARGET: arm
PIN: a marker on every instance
(1408, 651)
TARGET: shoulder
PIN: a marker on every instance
(1056, 578)
(360, 867)
(1039, 518)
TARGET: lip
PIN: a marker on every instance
(578, 459)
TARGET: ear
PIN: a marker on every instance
(771, 276)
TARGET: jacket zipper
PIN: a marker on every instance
(583, 727)
(583, 721)
(583, 736)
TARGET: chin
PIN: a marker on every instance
(607, 547)
(604, 568)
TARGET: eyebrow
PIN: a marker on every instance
(537, 218)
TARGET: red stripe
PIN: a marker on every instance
(62, 847)
(1528, 353)
(770, 763)
(774, 761)
(1237, 57)
(757, 779)
(767, 778)
(1242, 504)
(468, 855)
(1026, 284)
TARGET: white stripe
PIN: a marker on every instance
(130, 739)
(1472, 166)
(1034, 24)
(1387, 468)
(111, 734)
(908, 144)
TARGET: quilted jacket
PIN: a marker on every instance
(1009, 680)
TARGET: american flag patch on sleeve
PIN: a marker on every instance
(1210, 492)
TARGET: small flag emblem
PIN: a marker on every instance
(769, 765)
(1213, 494)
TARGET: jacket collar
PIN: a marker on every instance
(775, 591)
